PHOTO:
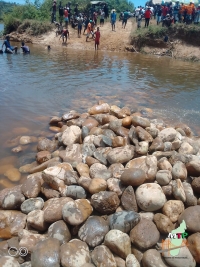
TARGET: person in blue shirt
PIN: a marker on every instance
(113, 20)
(9, 49)
(25, 48)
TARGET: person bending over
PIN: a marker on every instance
(64, 35)
(9, 49)
(25, 48)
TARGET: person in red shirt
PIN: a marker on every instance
(66, 17)
(97, 38)
(164, 11)
(147, 16)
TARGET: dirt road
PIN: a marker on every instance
(110, 40)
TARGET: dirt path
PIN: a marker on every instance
(110, 40)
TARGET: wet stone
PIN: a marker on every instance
(32, 204)
(124, 220)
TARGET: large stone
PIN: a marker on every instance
(11, 223)
(93, 231)
(157, 145)
(13, 174)
(75, 192)
(150, 197)
(76, 212)
(105, 202)
(163, 164)
(53, 209)
(178, 190)
(90, 123)
(75, 253)
(71, 135)
(193, 168)
(98, 109)
(6, 191)
(12, 201)
(35, 219)
(191, 200)
(72, 154)
(133, 176)
(140, 121)
(102, 257)
(46, 254)
(163, 177)
(172, 209)
(163, 223)
(115, 185)
(152, 258)
(45, 144)
(121, 154)
(124, 220)
(191, 216)
(72, 114)
(143, 134)
(145, 234)
(60, 231)
(32, 204)
(128, 200)
(147, 163)
(96, 185)
(186, 148)
(118, 242)
(8, 261)
(194, 246)
(168, 135)
(131, 261)
(96, 170)
(179, 171)
(31, 187)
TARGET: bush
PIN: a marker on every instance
(38, 27)
(11, 24)
(24, 26)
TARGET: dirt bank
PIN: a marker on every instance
(183, 43)
(110, 40)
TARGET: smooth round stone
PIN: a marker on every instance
(172, 209)
(121, 154)
(167, 190)
(179, 171)
(76, 212)
(31, 187)
(93, 231)
(146, 215)
(105, 202)
(12, 201)
(13, 174)
(90, 123)
(46, 144)
(32, 204)
(118, 242)
(71, 135)
(128, 200)
(150, 197)
(194, 246)
(191, 216)
(96, 169)
(196, 185)
(97, 185)
(152, 258)
(163, 177)
(46, 254)
(17, 149)
(7, 261)
(85, 132)
(98, 109)
(157, 145)
(163, 223)
(131, 261)
(145, 234)
(168, 134)
(124, 220)
(116, 169)
(102, 256)
(127, 121)
(163, 164)
(35, 219)
(75, 192)
(133, 176)
(83, 169)
(140, 121)
(75, 253)
(60, 231)
(24, 140)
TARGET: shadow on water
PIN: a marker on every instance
(46, 83)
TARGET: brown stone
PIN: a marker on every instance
(97, 185)
(128, 199)
(90, 123)
(102, 256)
(13, 174)
(133, 176)
(31, 187)
(60, 231)
(172, 209)
(196, 185)
(143, 134)
(157, 145)
(163, 223)
(127, 121)
(194, 246)
(191, 216)
(140, 121)
(98, 109)
(43, 156)
(45, 144)
(90, 160)
(118, 141)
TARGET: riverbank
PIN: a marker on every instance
(129, 178)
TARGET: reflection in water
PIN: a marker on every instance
(46, 83)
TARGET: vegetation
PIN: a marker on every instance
(34, 17)
(187, 33)
(5, 8)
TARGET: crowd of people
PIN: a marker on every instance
(168, 13)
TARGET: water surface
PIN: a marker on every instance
(45, 83)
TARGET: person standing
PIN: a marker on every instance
(147, 16)
(125, 18)
(113, 20)
(97, 38)
(102, 16)
(159, 13)
(66, 17)
(53, 16)
(95, 18)
(88, 30)
(61, 12)
(80, 24)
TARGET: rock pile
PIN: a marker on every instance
(104, 192)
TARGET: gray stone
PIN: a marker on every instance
(75, 192)
(32, 204)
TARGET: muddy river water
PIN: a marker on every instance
(46, 83)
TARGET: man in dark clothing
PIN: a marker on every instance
(9, 49)
(106, 11)
(61, 12)
(25, 48)
(53, 15)
(76, 10)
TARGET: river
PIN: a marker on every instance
(46, 83)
